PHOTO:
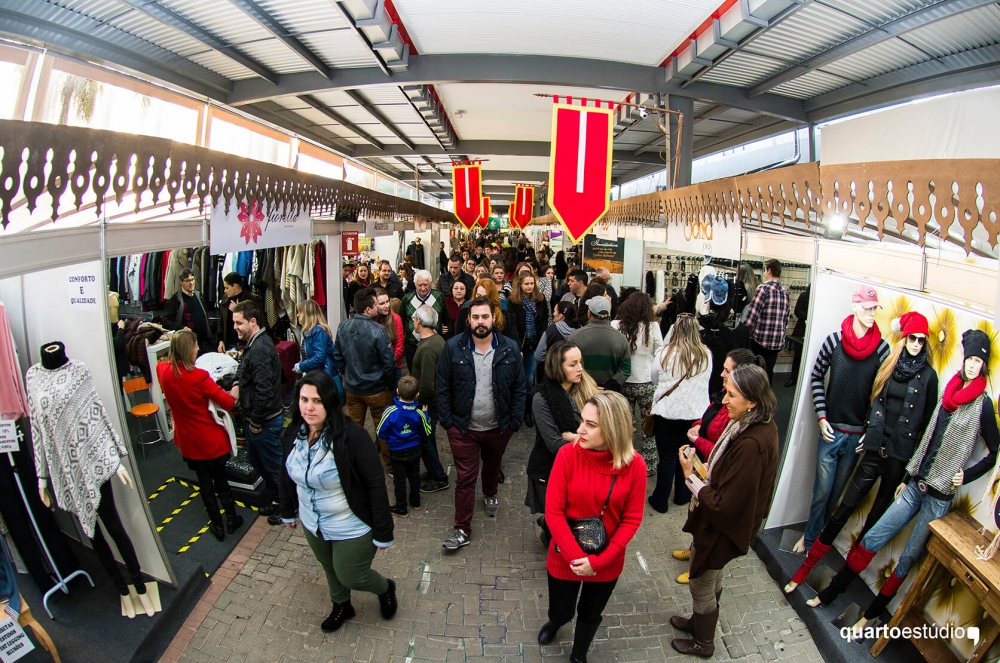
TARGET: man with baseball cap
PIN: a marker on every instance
(606, 354)
(851, 357)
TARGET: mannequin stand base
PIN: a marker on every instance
(148, 603)
(61, 586)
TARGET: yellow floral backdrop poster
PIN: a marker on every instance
(951, 603)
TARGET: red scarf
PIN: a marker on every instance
(955, 394)
(859, 348)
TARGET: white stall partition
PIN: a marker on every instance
(69, 304)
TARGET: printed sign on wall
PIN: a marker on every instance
(349, 243)
(249, 226)
(719, 240)
(84, 290)
(599, 252)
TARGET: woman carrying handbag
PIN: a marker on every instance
(593, 507)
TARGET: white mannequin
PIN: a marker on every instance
(913, 348)
(864, 318)
(43, 491)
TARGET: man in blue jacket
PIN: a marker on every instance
(371, 374)
(480, 393)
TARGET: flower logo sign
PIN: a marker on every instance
(250, 218)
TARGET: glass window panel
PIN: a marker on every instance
(11, 78)
(359, 176)
(314, 166)
(386, 186)
(244, 142)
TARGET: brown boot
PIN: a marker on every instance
(703, 643)
(684, 623)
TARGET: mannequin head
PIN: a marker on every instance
(972, 368)
(53, 355)
(915, 343)
(976, 347)
(913, 329)
(864, 301)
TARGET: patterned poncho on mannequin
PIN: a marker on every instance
(76, 448)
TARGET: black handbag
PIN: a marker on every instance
(590, 532)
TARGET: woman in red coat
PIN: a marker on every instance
(203, 442)
(608, 480)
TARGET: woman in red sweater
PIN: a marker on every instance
(705, 432)
(203, 442)
(608, 480)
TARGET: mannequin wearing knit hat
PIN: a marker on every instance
(841, 386)
(902, 402)
(964, 413)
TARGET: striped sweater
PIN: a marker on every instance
(845, 402)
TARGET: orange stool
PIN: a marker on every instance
(143, 412)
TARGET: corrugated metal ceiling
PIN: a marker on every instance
(973, 29)
(302, 16)
(145, 27)
(878, 59)
(878, 12)
(743, 69)
(339, 48)
(811, 84)
(275, 55)
(222, 65)
(100, 10)
(221, 18)
(807, 32)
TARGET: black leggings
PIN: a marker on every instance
(872, 467)
(108, 514)
(593, 599)
(211, 479)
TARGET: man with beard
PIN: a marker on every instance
(487, 365)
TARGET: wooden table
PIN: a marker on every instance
(951, 552)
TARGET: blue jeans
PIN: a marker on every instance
(264, 452)
(529, 376)
(911, 502)
(835, 462)
(429, 451)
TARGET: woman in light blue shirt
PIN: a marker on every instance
(333, 477)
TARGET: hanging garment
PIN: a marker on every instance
(319, 275)
(309, 253)
(76, 448)
(134, 293)
(244, 263)
(13, 402)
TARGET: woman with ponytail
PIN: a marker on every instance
(964, 413)
(902, 403)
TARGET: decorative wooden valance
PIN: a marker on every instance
(905, 199)
(106, 163)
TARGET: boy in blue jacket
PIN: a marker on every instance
(403, 425)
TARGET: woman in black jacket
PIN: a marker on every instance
(331, 474)
(562, 392)
(891, 435)
(527, 306)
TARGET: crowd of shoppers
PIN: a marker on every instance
(524, 343)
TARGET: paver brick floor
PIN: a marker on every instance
(487, 601)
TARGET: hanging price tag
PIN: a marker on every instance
(13, 642)
(8, 437)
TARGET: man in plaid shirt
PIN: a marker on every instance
(767, 317)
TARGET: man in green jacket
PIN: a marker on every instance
(606, 354)
(421, 296)
(425, 359)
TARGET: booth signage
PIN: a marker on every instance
(605, 230)
(248, 226)
(599, 252)
(419, 225)
(555, 240)
(364, 243)
(84, 290)
(580, 165)
(8, 437)
(467, 186)
(378, 228)
(14, 643)
(494, 223)
(719, 240)
(349, 243)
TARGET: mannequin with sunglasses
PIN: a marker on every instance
(965, 412)
(841, 383)
(902, 401)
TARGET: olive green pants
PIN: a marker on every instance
(348, 565)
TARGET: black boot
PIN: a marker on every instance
(215, 516)
(548, 632)
(340, 614)
(703, 643)
(388, 602)
(582, 637)
(233, 520)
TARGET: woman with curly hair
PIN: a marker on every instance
(640, 328)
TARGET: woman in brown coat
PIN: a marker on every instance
(730, 501)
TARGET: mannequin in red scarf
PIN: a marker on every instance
(964, 414)
(850, 358)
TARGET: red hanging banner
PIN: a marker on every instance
(484, 220)
(510, 216)
(467, 186)
(524, 205)
(580, 165)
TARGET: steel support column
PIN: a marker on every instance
(684, 105)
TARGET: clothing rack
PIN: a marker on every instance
(63, 584)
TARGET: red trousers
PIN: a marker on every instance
(467, 449)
